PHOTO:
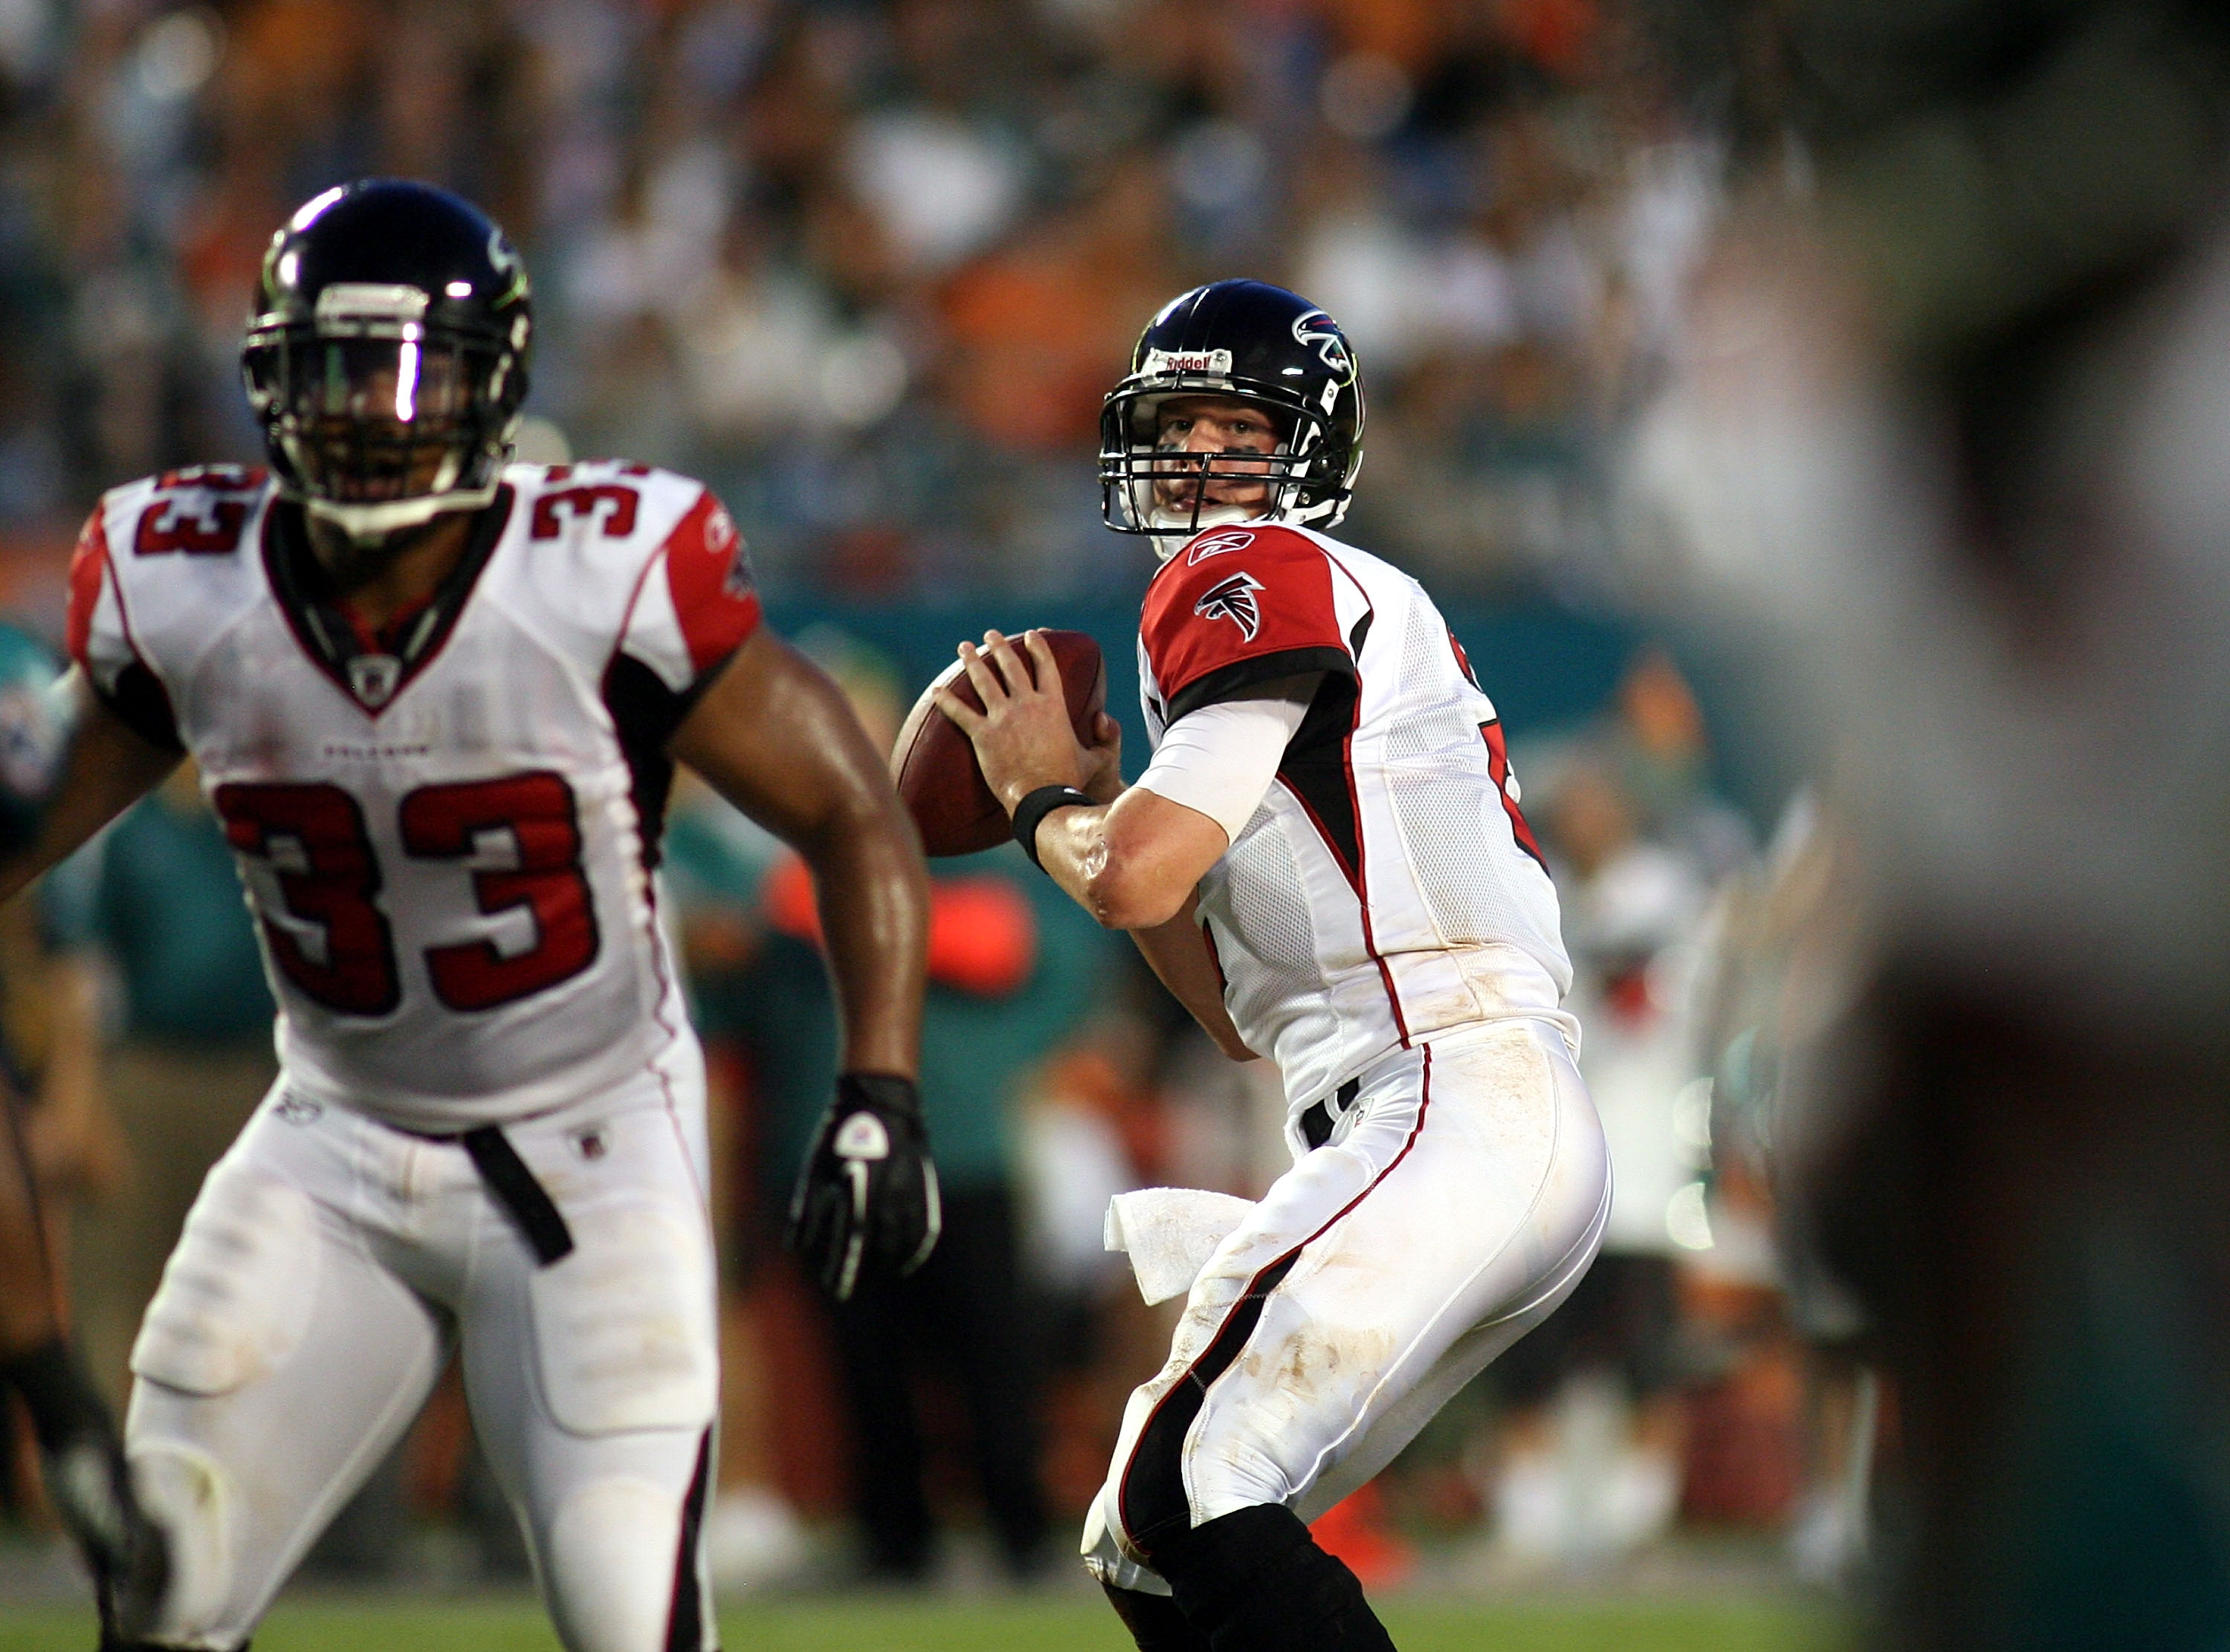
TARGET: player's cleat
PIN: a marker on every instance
(1255, 1581)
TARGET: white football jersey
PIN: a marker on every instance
(446, 832)
(1388, 887)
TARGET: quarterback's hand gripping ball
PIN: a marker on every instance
(866, 1203)
(934, 765)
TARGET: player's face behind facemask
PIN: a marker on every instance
(1200, 461)
(374, 421)
(1203, 460)
(378, 431)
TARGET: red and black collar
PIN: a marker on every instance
(371, 669)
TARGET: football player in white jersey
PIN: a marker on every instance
(1325, 861)
(436, 699)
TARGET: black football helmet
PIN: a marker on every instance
(387, 358)
(1247, 341)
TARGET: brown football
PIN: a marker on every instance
(934, 766)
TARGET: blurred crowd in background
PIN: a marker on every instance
(868, 268)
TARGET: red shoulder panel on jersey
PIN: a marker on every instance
(710, 579)
(88, 567)
(1237, 606)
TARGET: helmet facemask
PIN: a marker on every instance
(1148, 487)
(378, 422)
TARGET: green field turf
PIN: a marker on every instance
(987, 1626)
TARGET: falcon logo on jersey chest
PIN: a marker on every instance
(1233, 600)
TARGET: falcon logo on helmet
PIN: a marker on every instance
(1318, 329)
(1233, 600)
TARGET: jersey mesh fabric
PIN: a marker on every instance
(1267, 905)
(1444, 797)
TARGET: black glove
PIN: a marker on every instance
(866, 1205)
(91, 1488)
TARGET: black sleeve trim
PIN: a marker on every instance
(141, 704)
(1231, 682)
(1315, 769)
(703, 680)
(646, 712)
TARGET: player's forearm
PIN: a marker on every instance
(776, 737)
(874, 894)
(1133, 865)
(1178, 953)
(107, 768)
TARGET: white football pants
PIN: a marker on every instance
(326, 1272)
(1457, 1202)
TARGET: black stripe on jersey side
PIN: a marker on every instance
(300, 584)
(1315, 766)
(685, 1619)
(138, 698)
(646, 712)
(1231, 682)
(1215, 957)
(1151, 1497)
(1362, 890)
(1359, 875)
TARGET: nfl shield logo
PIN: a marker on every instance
(373, 678)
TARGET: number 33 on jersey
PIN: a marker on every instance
(446, 832)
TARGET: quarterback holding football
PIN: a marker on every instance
(436, 699)
(1326, 861)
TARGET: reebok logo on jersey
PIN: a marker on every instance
(1215, 544)
(1233, 600)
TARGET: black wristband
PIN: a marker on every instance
(1031, 813)
(889, 1091)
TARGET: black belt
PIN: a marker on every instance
(516, 1189)
(1317, 1122)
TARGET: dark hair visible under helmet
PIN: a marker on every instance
(1250, 342)
(387, 358)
